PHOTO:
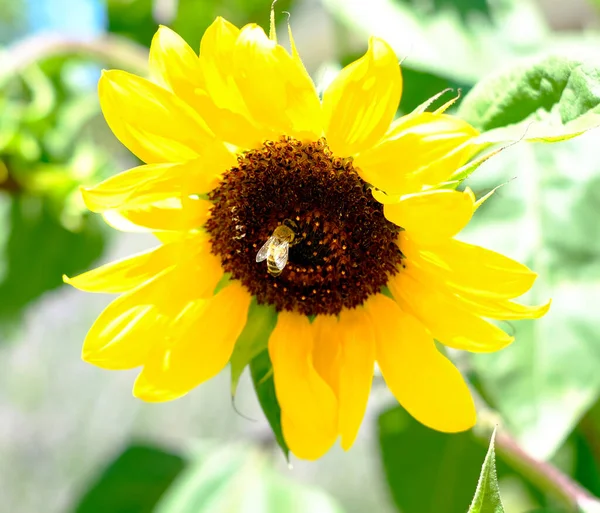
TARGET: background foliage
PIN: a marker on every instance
(71, 438)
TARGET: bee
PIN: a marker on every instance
(276, 250)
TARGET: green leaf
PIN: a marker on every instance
(239, 479)
(294, 498)
(190, 21)
(487, 495)
(441, 44)
(547, 218)
(549, 99)
(466, 9)
(547, 510)
(137, 19)
(264, 385)
(133, 19)
(253, 340)
(133, 482)
(38, 251)
(586, 469)
(428, 471)
(207, 477)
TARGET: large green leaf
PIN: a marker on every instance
(428, 471)
(253, 340)
(264, 385)
(548, 99)
(487, 495)
(239, 480)
(441, 43)
(546, 217)
(133, 482)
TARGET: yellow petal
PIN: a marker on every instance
(502, 309)
(198, 271)
(480, 297)
(115, 219)
(174, 214)
(174, 64)
(181, 71)
(424, 381)
(128, 273)
(444, 315)
(357, 360)
(419, 149)
(275, 86)
(132, 324)
(431, 216)
(116, 190)
(230, 118)
(326, 350)
(360, 104)
(216, 55)
(126, 330)
(152, 122)
(305, 441)
(258, 90)
(168, 237)
(470, 268)
(197, 352)
(144, 185)
(309, 406)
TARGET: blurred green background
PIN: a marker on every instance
(73, 439)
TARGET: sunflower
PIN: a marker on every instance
(326, 210)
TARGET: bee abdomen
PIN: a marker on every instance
(272, 267)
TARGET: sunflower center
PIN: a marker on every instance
(299, 197)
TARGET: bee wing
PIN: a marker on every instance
(263, 252)
(280, 250)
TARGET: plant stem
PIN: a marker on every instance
(111, 50)
(543, 475)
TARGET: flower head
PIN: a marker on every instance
(328, 210)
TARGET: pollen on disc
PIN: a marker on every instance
(346, 249)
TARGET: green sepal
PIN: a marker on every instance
(264, 384)
(253, 340)
(134, 481)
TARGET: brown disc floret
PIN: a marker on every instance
(345, 249)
